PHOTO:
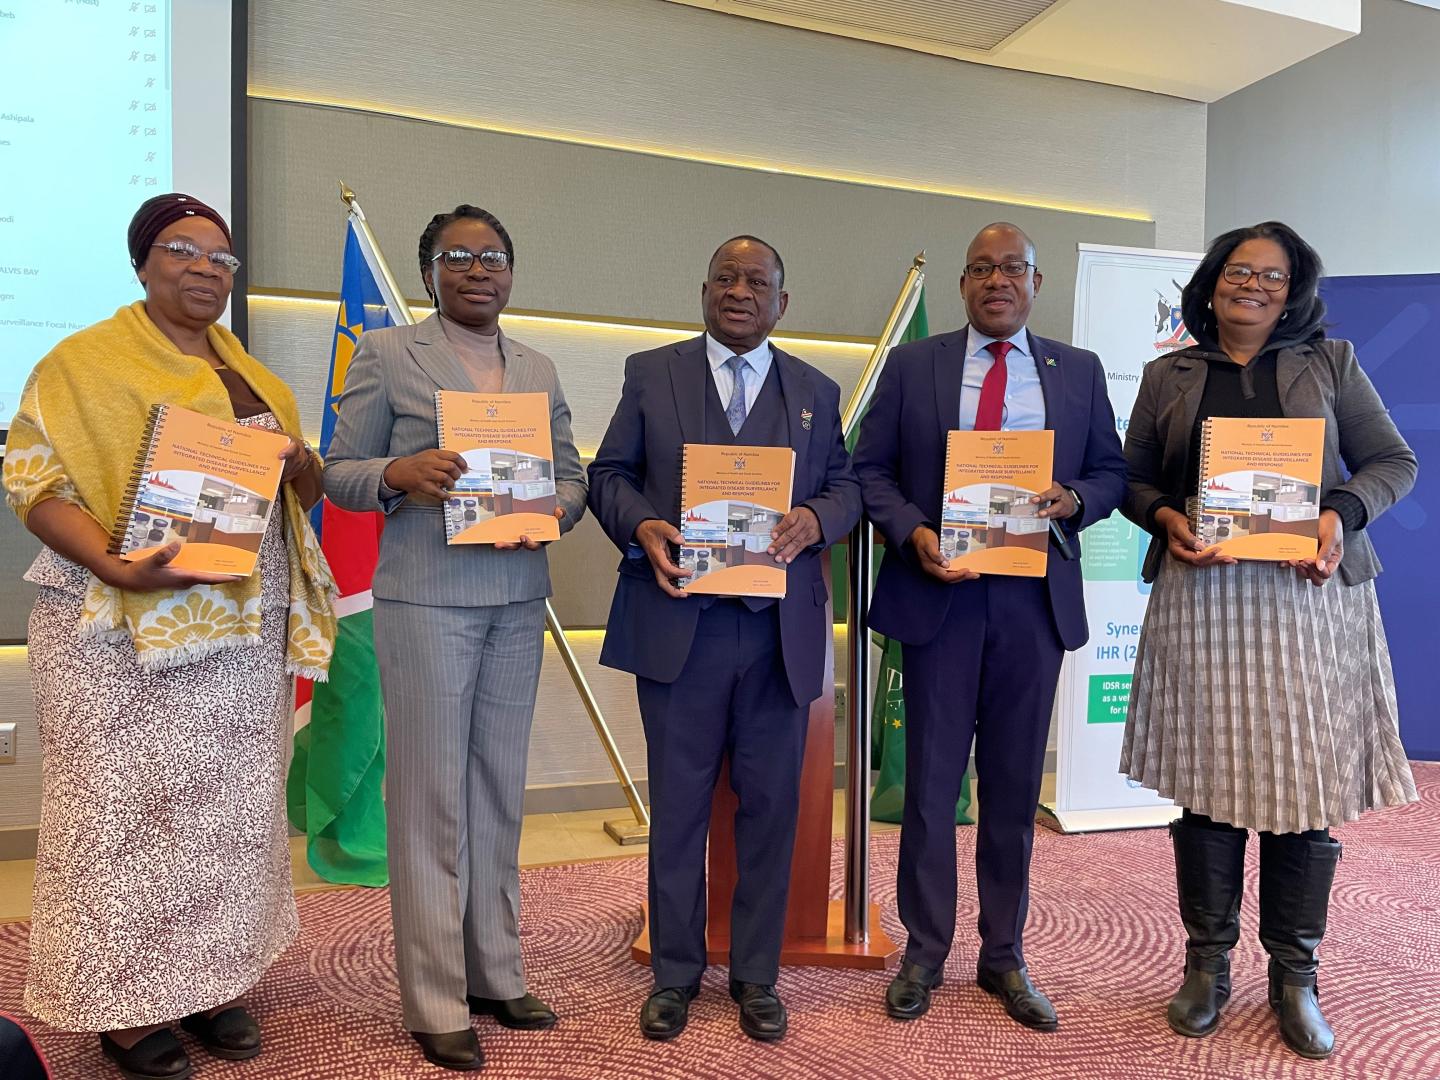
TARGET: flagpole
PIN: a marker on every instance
(857, 669)
(622, 832)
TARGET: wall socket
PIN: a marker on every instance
(7, 744)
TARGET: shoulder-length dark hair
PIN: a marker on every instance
(1304, 313)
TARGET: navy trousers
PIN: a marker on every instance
(732, 700)
(989, 677)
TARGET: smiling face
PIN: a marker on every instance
(474, 297)
(998, 306)
(741, 296)
(189, 294)
(1248, 308)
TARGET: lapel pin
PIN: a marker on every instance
(805, 417)
(1049, 361)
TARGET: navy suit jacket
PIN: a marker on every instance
(900, 460)
(636, 475)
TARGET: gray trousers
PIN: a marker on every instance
(459, 686)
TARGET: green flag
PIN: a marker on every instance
(887, 736)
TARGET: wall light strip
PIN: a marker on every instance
(753, 164)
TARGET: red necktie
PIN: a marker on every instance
(991, 410)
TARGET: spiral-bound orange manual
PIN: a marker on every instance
(987, 521)
(1259, 487)
(211, 484)
(731, 498)
(508, 490)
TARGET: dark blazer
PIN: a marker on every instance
(1319, 378)
(900, 460)
(636, 475)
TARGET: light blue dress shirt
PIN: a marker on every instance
(1024, 399)
(757, 366)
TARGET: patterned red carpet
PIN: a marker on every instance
(1103, 940)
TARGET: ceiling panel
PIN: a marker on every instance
(964, 24)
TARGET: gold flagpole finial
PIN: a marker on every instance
(919, 260)
(346, 195)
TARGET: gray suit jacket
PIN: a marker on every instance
(1318, 378)
(387, 411)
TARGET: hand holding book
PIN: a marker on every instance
(933, 561)
(1184, 544)
(529, 543)
(655, 538)
(1318, 570)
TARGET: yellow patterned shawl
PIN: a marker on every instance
(74, 437)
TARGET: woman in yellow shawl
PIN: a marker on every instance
(162, 876)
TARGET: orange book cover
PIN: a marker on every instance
(211, 484)
(731, 498)
(508, 492)
(1259, 487)
(987, 521)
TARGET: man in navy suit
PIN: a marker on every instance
(721, 678)
(982, 652)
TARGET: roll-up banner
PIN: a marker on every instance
(1127, 309)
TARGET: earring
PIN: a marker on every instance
(1284, 316)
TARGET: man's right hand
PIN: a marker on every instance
(927, 550)
(430, 472)
(655, 537)
(154, 573)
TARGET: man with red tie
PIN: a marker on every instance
(982, 652)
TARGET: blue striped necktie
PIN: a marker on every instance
(735, 411)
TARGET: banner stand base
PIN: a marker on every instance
(1122, 817)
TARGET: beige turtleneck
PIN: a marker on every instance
(479, 354)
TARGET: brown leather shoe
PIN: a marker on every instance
(526, 1013)
(1023, 1002)
(458, 1050)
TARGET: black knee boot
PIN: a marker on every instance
(1210, 875)
(1296, 872)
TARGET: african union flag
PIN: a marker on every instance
(334, 789)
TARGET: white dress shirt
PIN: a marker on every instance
(756, 367)
(1024, 400)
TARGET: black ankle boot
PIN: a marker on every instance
(1210, 877)
(1296, 874)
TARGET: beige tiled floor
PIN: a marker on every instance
(547, 838)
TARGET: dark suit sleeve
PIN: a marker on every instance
(838, 503)
(617, 475)
(877, 464)
(1144, 452)
(1101, 483)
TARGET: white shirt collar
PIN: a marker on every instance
(975, 342)
(758, 357)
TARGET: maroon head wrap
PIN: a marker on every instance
(156, 214)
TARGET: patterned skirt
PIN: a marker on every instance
(162, 874)
(1263, 701)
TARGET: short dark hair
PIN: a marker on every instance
(437, 226)
(779, 262)
(1304, 313)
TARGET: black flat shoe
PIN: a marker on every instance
(458, 1050)
(762, 1013)
(526, 1013)
(158, 1056)
(1296, 1001)
(666, 1011)
(1023, 1002)
(232, 1035)
(908, 996)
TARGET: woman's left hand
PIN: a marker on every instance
(297, 457)
(1318, 570)
(529, 543)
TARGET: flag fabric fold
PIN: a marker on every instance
(334, 791)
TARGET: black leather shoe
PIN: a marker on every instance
(908, 996)
(762, 1013)
(526, 1013)
(1195, 1009)
(458, 1050)
(233, 1034)
(1023, 1002)
(666, 1011)
(1296, 1001)
(158, 1056)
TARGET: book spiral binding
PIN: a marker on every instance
(440, 418)
(143, 459)
(1195, 503)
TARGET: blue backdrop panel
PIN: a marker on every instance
(1395, 325)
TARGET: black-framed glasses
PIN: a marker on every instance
(186, 252)
(1270, 280)
(461, 259)
(1010, 268)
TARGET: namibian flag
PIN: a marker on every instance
(334, 789)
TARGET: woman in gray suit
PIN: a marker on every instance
(1263, 697)
(459, 634)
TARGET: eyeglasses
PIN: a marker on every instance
(460, 260)
(186, 252)
(982, 270)
(1270, 280)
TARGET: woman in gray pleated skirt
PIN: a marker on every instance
(1263, 696)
